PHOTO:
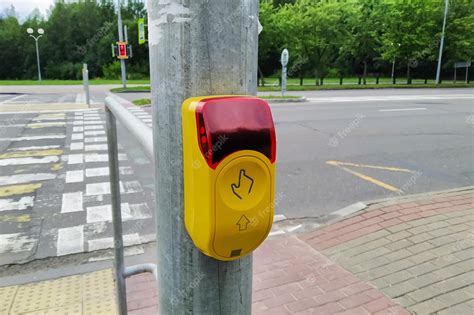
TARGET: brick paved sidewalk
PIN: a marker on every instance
(412, 255)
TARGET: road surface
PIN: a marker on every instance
(339, 148)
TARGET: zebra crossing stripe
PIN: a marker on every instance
(25, 178)
(72, 202)
(29, 160)
(74, 176)
(108, 242)
(70, 240)
(11, 204)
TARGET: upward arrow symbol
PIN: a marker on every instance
(243, 223)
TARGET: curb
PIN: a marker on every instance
(308, 224)
(285, 100)
(418, 196)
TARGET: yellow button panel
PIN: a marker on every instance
(243, 191)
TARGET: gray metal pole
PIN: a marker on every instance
(120, 32)
(197, 48)
(467, 74)
(116, 210)
(85, 82)
(441, 45)
(38, 58)
(393, 68)
(283, 81)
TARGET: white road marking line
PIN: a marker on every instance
(74, 176)
(94, 133)
(401, 109)
(12, 99)
(96, 157)
(278, 217)
(108, 242)
(104, 213)
(92, 123)
(16, 243)
(78, 123)
(94, 127)
(77, 146)
(80, 98)
(34, 148)
(95, 139)
(34, 138)
(72, 202)
(75, 159)
(46, 111)
(127, 252)
(70, 240)
(29, 160)
(388, 98)
(293, 228)
(104, 171)
(147, 120)
(279, 232)
(77, 129)
(25, 178)
(11, 204)
(95, 189)
(77, 136)
(96, 147)
(100, 189)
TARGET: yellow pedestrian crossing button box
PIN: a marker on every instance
(229, 173)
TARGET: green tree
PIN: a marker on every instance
(409, 32)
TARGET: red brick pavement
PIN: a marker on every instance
(292, 276)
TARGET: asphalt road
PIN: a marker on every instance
(339, 148)
(347, 146)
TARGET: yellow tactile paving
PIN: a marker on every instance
(98, 284)
(91, 294)
(7, 295)
(74, 309)
(100, 307)
(99, 293)
(48, 294)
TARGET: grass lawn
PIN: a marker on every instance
(142, 102)
(69, 82)
(147, 101)
(414, 85)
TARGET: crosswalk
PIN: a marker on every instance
(55, 190)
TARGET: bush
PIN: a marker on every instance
(112, 70)
(64, 71)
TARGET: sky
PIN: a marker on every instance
(24, 7)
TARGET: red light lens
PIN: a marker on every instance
(234, 124)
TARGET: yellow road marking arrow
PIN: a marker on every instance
(387, 168)
(342, 165)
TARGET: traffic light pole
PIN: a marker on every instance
(120, 32)
(201, 48)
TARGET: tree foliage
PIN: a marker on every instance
(324, 38)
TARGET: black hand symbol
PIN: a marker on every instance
(244, 184)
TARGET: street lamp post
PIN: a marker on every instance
(441, 46)
(40, 32)
(393, 63)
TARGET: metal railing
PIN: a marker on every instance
(114, 112)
